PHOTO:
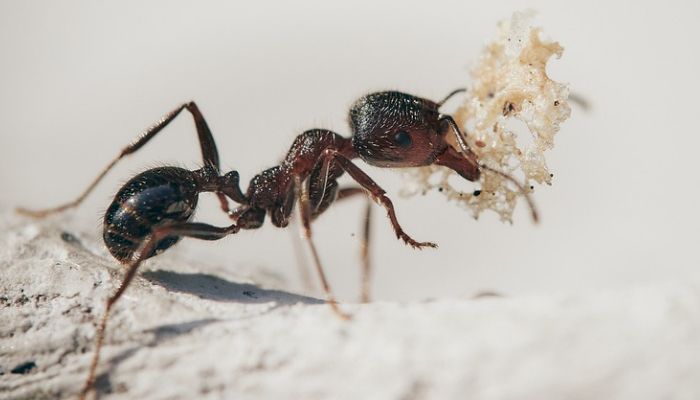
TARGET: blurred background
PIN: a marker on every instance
(80, 79)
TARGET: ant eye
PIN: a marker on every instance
(403, 139)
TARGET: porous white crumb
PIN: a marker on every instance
(509, 83)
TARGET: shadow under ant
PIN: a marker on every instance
(103, 385)
(204, 286)
(210, 287)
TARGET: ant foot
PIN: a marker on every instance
(416, 245)
(421, 245)
(336, 310)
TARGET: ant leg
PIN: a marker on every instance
(301, 260)
(375, 192)
(224, 204)
(188, 229)
(302, 193)
(364, 241)
(206, 142)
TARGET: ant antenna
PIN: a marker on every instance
(530, 203)
(466, 151)
(452, 93)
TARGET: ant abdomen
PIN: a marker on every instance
(157, 197)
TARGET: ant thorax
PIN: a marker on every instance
(510, 87)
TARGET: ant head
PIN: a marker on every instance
(393, 129)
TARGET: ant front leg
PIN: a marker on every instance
(301, 190)
(206, 142)
(187, 229)
(375, 192)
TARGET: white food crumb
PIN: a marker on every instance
(510, 84)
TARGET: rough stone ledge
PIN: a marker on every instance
(181, 332)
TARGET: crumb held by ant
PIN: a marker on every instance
(509, 82)
(508, 108)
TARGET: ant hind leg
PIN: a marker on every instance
(187, 229)
(206, 142)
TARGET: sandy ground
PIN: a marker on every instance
(183, 331)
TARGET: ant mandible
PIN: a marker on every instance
(152, 211)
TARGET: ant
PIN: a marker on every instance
(152, 211)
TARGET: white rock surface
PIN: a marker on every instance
(183, 332)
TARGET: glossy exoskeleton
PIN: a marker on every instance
(153, 210)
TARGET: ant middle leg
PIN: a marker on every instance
(301, 190)
(188, 229)
(210, 156)
(324, 191)
(365, 261)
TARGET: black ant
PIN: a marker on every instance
(152, 211)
